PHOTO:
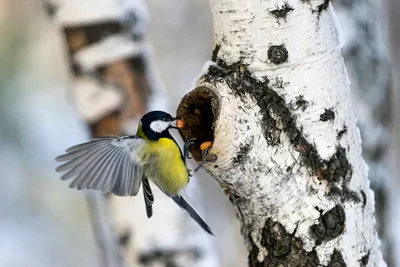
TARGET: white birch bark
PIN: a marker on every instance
(367, 60)
(285, 136)
(170, 237)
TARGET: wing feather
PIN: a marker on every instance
(85, 146)
(138, 172)
(99, 171)
(82, 180)
(109, 164)
(115, 174)
(77, 165)
(103, 180)
(122, 185)
(75, 158)
(129, 175)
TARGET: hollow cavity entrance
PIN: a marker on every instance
(199, 110)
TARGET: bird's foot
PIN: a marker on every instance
(204, 160)
(188, 143)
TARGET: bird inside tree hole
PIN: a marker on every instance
(198, 109)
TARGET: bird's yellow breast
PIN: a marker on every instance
(168, 171)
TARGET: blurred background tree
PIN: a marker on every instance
(43, 222)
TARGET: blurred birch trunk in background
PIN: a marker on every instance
(393, 9)
(113, 83)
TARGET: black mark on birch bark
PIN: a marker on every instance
(364, 260)
(337, 166)
(342, 132)
(364, 198)
(279, 83)
(322, 7)
(215, 52)
(281, 12)
(344, 194)
(278, 54)
(328, 115)
(336, 260)
(329, 226)
(284, 249)
(277, 117)
(301, 103)
(244, 149)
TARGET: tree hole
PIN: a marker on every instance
(199, 110)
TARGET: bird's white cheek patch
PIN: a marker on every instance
(159, 126)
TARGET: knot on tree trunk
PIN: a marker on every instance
(208, 112)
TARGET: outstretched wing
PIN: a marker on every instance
(108, 164)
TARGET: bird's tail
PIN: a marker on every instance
(186, 206)
(148, 197)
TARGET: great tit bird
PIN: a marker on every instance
(119, 164)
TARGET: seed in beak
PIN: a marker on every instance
(180, 124)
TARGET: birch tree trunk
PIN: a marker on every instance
(366, 56)
(275, 102)
(113, 85)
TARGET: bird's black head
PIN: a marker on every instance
(155, 125)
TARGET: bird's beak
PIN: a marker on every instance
(176, 123)
(173, 122)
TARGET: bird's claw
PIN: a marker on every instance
(204, 154)
(204, 160)
(188, 143)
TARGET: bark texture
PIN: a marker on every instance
(113, 83)
(275, 101)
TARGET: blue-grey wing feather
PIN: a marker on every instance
(109, 164)
(81, 182)
(99, 183)
(101, 169)
(76, 165)
(92, 143)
